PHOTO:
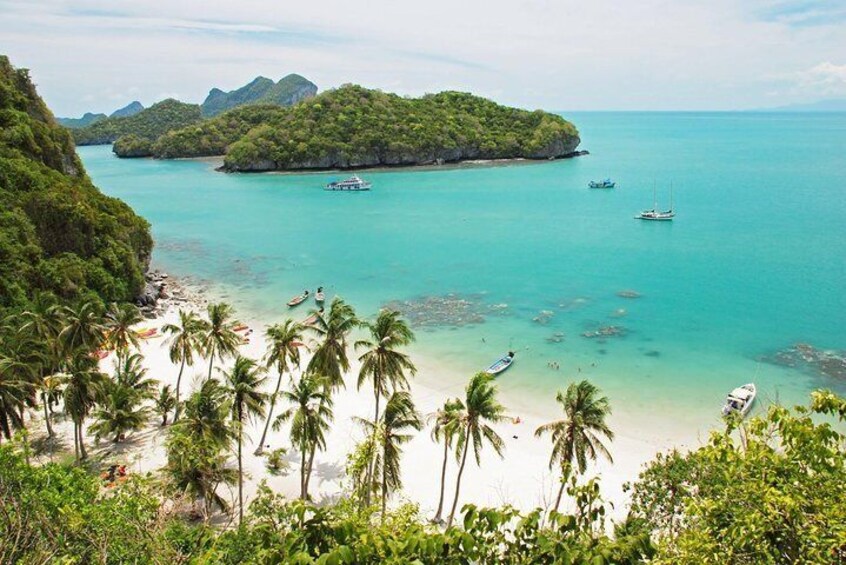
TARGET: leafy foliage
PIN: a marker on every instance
(58, 233)
(354, 126)
(149, 123)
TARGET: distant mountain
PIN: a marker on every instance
(833, 105)
(147, 124)
(129, 110)
(261, 90)
(86, 120)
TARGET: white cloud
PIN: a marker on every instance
(825, 79)
(556, 54)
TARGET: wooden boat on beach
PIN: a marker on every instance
(312, 319)
(739, 401)
(501, 364)
(299, 299)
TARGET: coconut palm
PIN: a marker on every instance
(480, 407)
(83, 329)
(219, 338)
(184, 342)
(330, 356)
(118, 322)
(310, 415)
(131, 373)
(445, 422)
(84, 385)
(400, 416)
(576, 438)
(51, 393)
(205, 419)
(15, 389)
(283, 352)
(243, 384)
(382, 363)
(164, 403)
(197, 466)
(119, 412)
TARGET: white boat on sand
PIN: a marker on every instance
(739, 401)
(501, 364)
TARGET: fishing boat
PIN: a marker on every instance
(740, 400)
(352, 184)
(312, 319)
(297, 300)
(501, 364)
(655, 214)
(319, 297)
(607, 183)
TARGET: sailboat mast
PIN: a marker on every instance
(654, 197)
(671, 197)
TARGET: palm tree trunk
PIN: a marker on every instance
(211, 362)
(240, 470)
(302, 473)
(371, 464)
(260, 449)
(75, 443)
(565, 474)
(178, 382)
(82, 454)
(467, 441)
(46, 416)
(310, 466)
(437, 517)
(384, 477)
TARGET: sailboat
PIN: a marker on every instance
(656, 215)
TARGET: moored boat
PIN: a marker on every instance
(352, 184)
(297, 300)
(739, 401)
(501, 364)
(319, 297)
(607, 183)
(655, 214)
(312, 318)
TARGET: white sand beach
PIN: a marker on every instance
(521, 478)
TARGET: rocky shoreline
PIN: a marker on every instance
(162, 291)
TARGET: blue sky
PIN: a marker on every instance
(98, 55)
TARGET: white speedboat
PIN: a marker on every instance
(352, 184)
(739, 401)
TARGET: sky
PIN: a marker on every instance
(98, 55)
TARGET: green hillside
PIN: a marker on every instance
(288, 91)
(58, 233)
(149, 124)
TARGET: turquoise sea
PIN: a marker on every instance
(754, 262)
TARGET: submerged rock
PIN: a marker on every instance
(543, 317)
(829, 363)
(629, 294)
(450, 310)
(605, 331)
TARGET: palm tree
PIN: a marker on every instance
(118, 322)
(15, 388)
(164, 403)
(132, 374)
(310, 415)
(184, 342)
(480, 407)
(283, 348)
(206, 416)
(219, 338)
(577, 437)
(382, 363)
(83, 387)
(445, 422)
(83, 329)
(43, 323)
(400, 415)
(119, 412)
(332, 328)
(243, 384)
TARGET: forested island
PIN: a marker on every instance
(352, 127)
(137, 128)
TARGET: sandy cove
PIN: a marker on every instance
(521, 478)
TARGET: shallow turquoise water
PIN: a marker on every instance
(754, 262)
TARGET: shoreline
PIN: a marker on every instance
(522, 478)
